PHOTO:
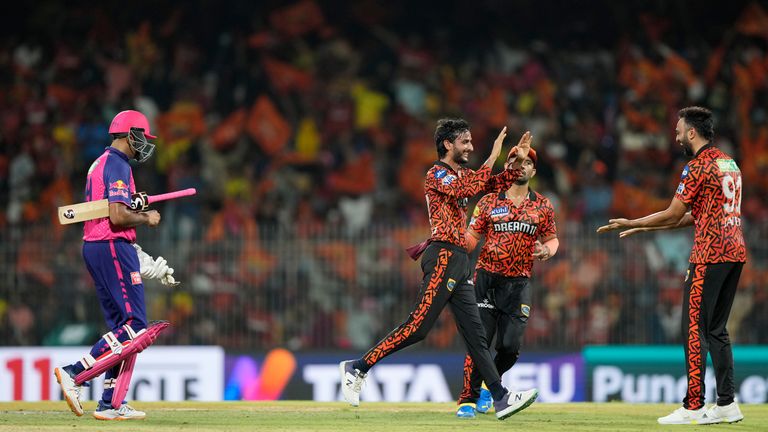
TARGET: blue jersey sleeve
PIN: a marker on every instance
(117, 178)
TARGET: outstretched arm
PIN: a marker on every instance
(686, 221)
(672, 215)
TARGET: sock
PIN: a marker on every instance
(361, 365)
(109, 385)
(74, 369)
(497, 390)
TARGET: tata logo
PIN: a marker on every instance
(69, 214)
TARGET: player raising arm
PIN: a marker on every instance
(710, 186)
(446, 265)
(519, 225)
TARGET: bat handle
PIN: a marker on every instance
(171, 195)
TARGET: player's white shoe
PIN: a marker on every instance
(351, 382)
(125, 412)
(684, 416)
(70, 390)
(723, 414)
(513, 403)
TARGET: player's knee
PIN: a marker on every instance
(420, 334)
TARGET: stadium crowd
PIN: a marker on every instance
(307, 128)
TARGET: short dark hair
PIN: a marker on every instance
(699, 119)
(448, 129)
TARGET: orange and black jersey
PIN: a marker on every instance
(447, 192)
(711, 187)
(511, 232)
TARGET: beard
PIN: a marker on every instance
(687, 148)
(522, 181)
(461, 159)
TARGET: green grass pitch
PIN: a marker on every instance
(369, 417)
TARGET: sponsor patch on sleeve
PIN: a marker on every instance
(727, 165)
(440, 173)
(686, 171)
(680, 188)
(449, 179)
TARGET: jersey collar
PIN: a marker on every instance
(444, 165)
(531, 195)
(704, 147)
(118, 153)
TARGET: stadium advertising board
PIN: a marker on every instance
(657, 374)
(161, 373)
(406, 377)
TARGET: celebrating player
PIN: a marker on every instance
(446, 264)
(519, 225)
(711, 187)
(115, 262)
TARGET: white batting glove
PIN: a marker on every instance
(146, 262)
(168, 279)
(159, 268)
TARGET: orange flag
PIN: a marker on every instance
(267, 126)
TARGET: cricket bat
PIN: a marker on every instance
(88, 210)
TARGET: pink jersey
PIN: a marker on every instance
(109, 177)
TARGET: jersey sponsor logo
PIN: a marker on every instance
(500, 211)
(515, 226)
(118, 185)
(686, 171)
(440, 173)
(451, 284)
(118, 192)
(449, 179)
(727, 165)
(525, 310)
(680, 189)
(135, 278)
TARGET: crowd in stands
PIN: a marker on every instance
(307, 127)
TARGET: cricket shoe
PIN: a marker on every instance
(466, 410)
(69, 389)
(352, 381)
(125, 412)
(485, 401)
(684, 416)
(723, 414)
(513, 403)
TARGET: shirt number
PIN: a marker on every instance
(732, 192)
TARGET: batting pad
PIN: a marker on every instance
(138, 344)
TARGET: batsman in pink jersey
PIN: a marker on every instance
(114, 260)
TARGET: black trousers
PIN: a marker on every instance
(708, 297)
(446, 280)
(505, 305)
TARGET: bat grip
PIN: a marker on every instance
(171, 195)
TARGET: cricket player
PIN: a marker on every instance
(710, 186)
(446, 265)
(113, 259)
(519, 225)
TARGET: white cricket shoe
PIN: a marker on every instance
(723, 414)
(70, 390)
(684, 416)
(352, 381)
(125, 412)
(513, 403)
